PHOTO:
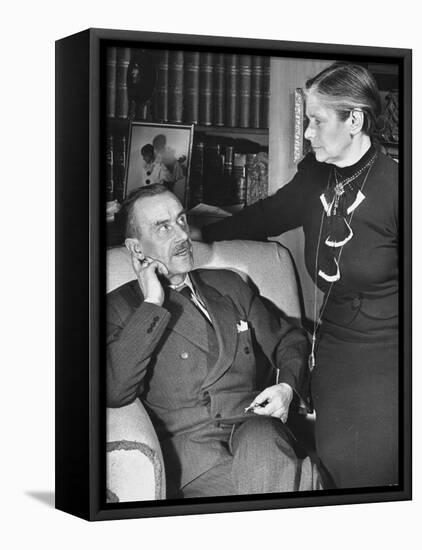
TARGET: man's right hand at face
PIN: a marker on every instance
(146, 270)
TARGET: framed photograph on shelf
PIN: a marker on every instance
(181, 362)
(159, 153)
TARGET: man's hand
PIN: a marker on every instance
(275, 400)
(146, 272)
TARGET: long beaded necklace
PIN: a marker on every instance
(339, 186)
(338, 191)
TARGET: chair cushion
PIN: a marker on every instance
(253, 260)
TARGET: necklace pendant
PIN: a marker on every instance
(339, 190)
(311, 361)
(311, 358)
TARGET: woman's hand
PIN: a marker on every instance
(274, 401)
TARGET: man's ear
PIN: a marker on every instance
(132, 244)
(357, 119)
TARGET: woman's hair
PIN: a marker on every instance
(344, 87)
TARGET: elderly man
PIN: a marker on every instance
(214, 367)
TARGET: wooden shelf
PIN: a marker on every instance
(123, 123)
(230, 130)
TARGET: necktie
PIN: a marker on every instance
(190, 295)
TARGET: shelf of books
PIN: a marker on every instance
(225, 97)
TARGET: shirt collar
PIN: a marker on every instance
(186, 282)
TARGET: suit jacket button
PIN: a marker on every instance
(247, 351)
(184, 355)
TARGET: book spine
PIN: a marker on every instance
(228, 160)
(175, 86)
(205, 89)
(226, 194)
(111, 82)
(109, 176)
(245, 69)
(191, 87)
(122, 64)
(256, 90)
(239, 178)
(232, 73)
(120, 169)
(265, 106)
(161, 89)
(197, 173)
(256, 177)
(213, 175)
(263, 176)
(219, 78)
(252, 179)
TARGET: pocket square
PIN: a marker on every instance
(242, 326)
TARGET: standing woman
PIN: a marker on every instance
(344, 196)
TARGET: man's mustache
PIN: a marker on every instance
(182, 247)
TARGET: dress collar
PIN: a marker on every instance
(348, 171)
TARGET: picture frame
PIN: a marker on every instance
(175, 145)
(301, 144)
(83, 176)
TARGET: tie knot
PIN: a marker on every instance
(186, 291)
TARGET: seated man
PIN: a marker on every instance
(215, 369)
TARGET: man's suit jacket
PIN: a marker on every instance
(196, 379)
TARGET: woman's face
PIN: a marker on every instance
(330, 137)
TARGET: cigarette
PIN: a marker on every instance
(252, 407)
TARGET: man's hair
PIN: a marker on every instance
(128, 205)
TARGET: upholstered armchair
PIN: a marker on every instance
(135, 469)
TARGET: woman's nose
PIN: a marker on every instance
(308, 132)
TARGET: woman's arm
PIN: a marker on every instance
(267, 218)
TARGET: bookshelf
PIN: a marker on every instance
(387, 78)
(225, 97)
(237, 156)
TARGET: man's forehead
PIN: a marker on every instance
(161, 207)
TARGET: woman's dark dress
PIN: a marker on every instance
(355, 381)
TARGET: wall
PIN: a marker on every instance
(286, 75)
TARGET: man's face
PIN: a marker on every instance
(163, 233)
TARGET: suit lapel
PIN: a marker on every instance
(224, 320)
(189, 323)
(186, 320)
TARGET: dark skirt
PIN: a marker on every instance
(355, 390)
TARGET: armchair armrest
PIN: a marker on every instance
(135, 468)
